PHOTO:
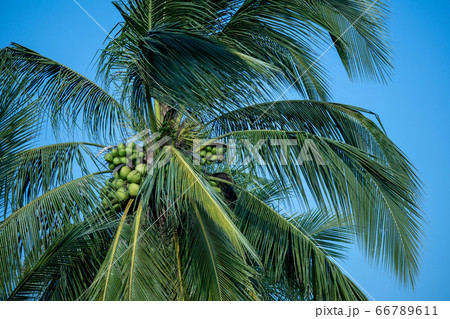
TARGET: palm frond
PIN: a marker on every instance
(345, 123)
(64, 93)
(140, 16)
(19, 125)
(35, 171)
(67, 267)
(137, 266)
(212, 269)
(181, 182)
(300, 249)
(295, 34)
(359, 34)
(352, 183)
(28, 231)
(170, 63)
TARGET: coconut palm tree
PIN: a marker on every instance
(194, 226)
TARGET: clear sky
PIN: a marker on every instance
(413, 106)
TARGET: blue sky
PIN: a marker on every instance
(413, 107)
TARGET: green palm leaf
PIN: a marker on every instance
(19, 126)
(353, 183)
(137, 266)
(35, 171)
(298, 250)
(28, 231)
(64, 93)
(340, 122)
(66, 268)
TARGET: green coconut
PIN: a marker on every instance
(116, 161)
(214, 158)
(142, 169)
(209, 148)
(111, 195)
(124, 171)
(118, 183)
(214, 150)
(212, 183)
(111, 166)
(122, 152)
(208, 155)
(122, 194)
(105, 203)
(133, 189)
(121, 146)
(114, 153)
(220, 150)
(124, 160)
(134, 177)
(108, 157)
(128, 151)
(203, 153)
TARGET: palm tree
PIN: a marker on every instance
(204, 70)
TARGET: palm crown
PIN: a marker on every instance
(195, 228)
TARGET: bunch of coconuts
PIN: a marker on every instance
(212, 153)
(129, 163)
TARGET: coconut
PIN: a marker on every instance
(111, 195)
(203, 153)
(134, 177)
(128, 151)
(114, 153)
(133, 189)
(118, 183)
(209, 148)
(122, 152)
(111, 166)
(142, 169)
(214, 158)
(124, 160)
(212, 183)
(105, 203)
(122, 194)
(124, 171)
(121, 146)
(108, 157)
(214, 150)
(116, 161)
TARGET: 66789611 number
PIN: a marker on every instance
(406, 310)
